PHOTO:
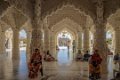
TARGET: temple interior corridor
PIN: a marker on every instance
(61, 31)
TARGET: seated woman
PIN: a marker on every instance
(48, 57)
(35, 64)
(79, 55)
(94, 66)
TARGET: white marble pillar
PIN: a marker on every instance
(35, 40)
(10, 43)
(79, 40)
(100, 35)
(113, 41)
(117, 40)
(86, 41)
(41, 40)
(101, 45)
(52, 44)
(47, 39)
(28, 44)
(2, 43)
(15, 44)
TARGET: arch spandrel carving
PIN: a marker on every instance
(71, 23)
(83, 5)
(114, 19)
(3, 7)
(73, 32)
(67, 12)
(24, 6)
(4, 26)
(14, 18)
(111, 6)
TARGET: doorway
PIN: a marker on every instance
(64, 43)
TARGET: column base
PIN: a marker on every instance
(104, 68)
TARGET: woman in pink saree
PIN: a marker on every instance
(35, 64)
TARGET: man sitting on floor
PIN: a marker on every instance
(48, 57)
(79, 55)
(86, 56)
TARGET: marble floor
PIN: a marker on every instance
(65, 68)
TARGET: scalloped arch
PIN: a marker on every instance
(82, 6)
(69, 22)
(67, 12)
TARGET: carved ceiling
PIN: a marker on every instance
(14, 18)
(3, 7)
(48, 7)
(26, 7)
(67, 12)
(110, 7)
(114, 19)
(27, 26)
(86, 6)
(67, 23)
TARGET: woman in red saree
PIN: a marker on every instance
(35, 64)
(94, 65)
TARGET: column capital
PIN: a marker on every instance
(85, 28)
(46, 29)
(15, 29)
(100, 21)
(79, 32)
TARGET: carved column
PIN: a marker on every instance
(36, 24)
(28, 44)
(113, 41)
(15, 48)
(52, 43)
(10, 42)
(79, 40)
(47, 39)
(41, 40)
(15, 45)
(35, 40)
(2, 43)
(86, 40)
(100, 35)
(100, 44)
(117, 40)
